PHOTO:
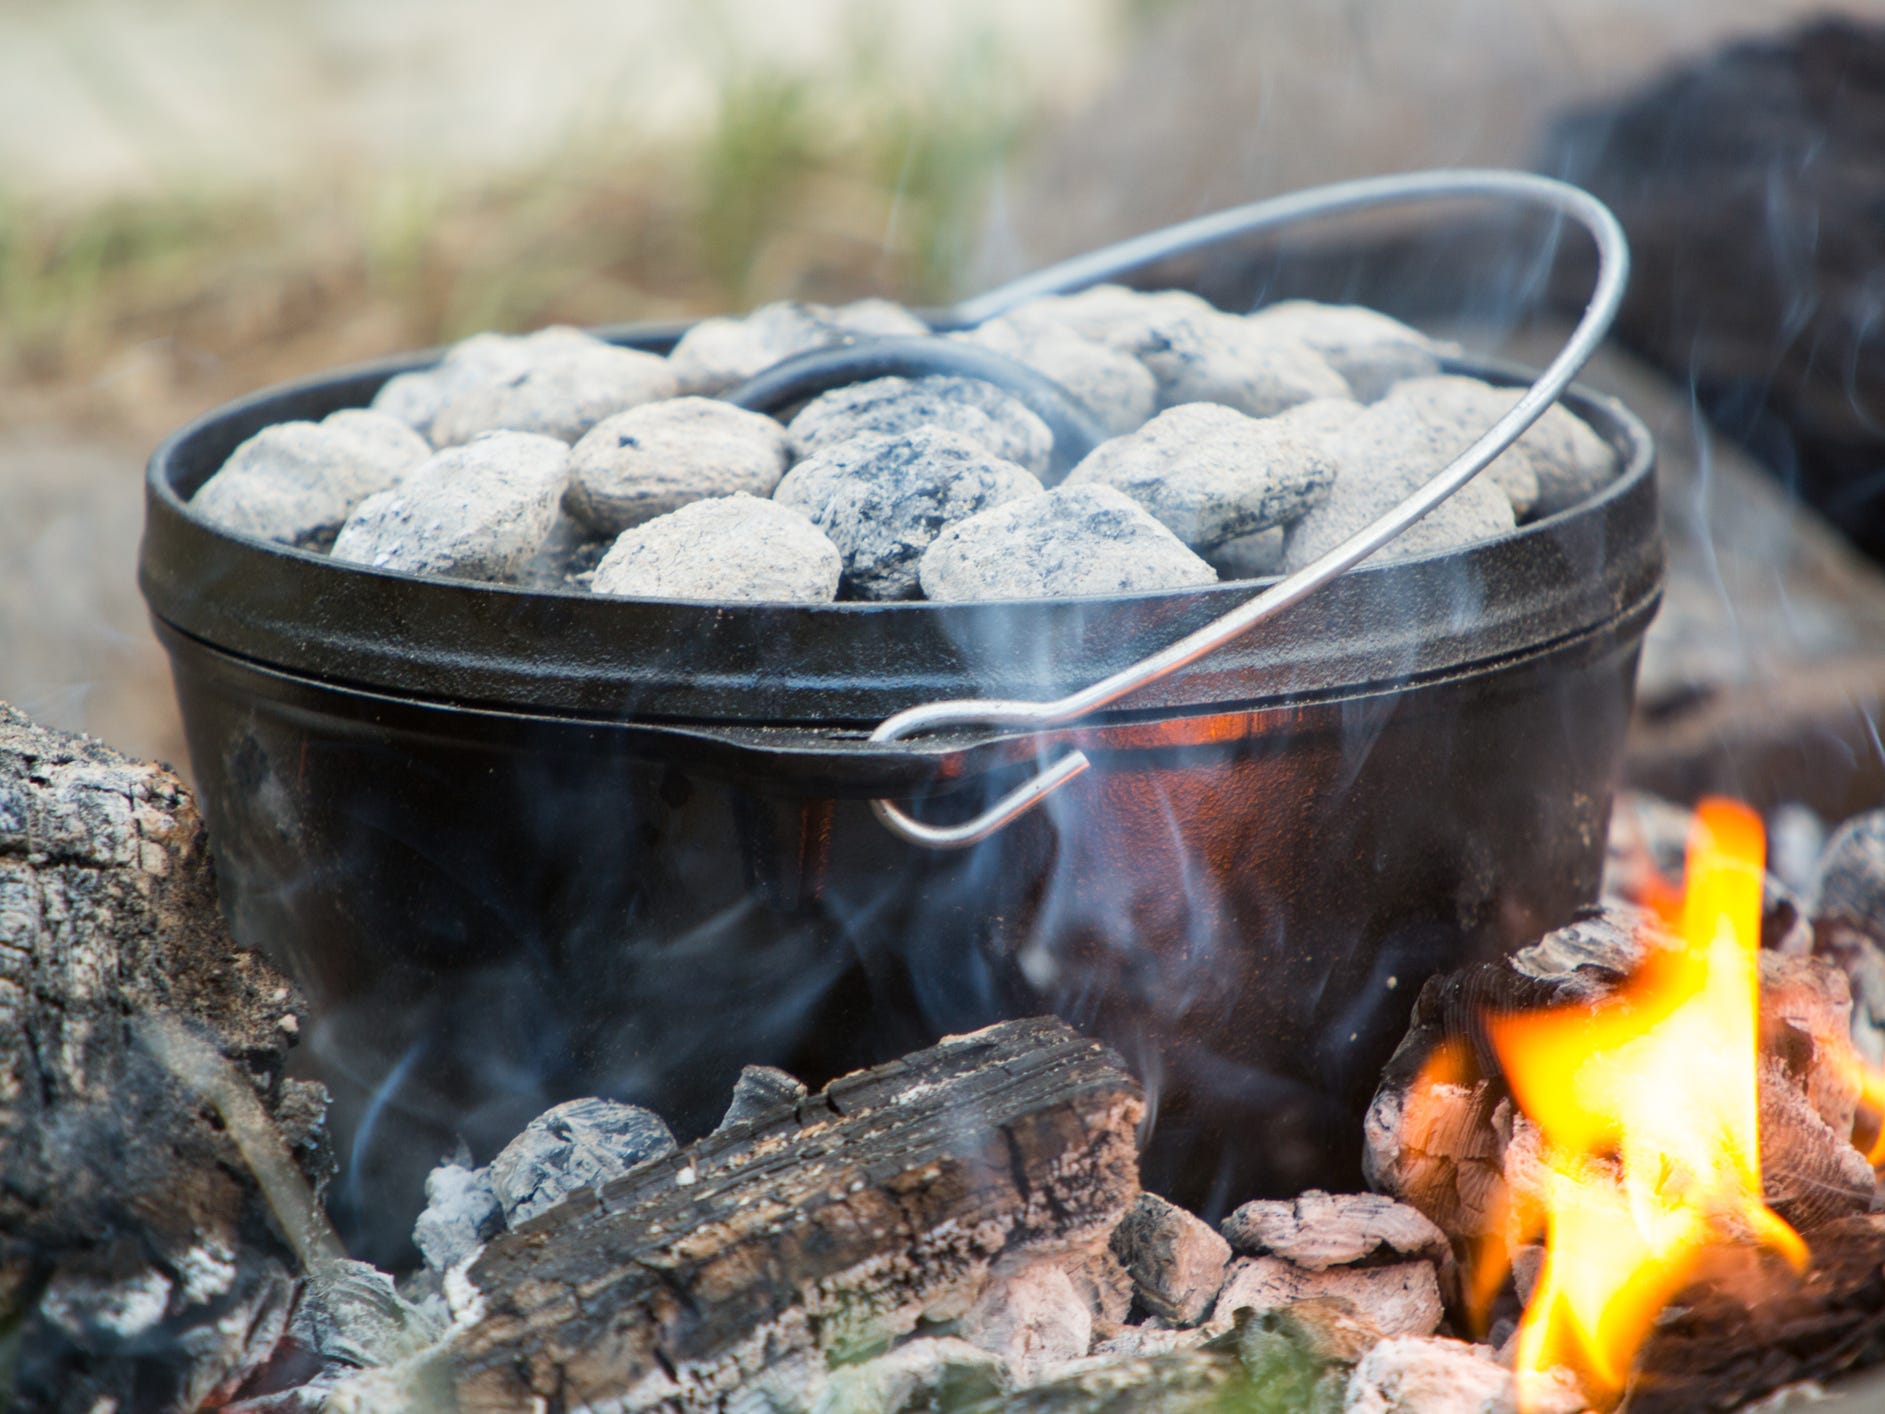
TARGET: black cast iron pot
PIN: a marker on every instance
(520, 847)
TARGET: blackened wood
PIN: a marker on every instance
(821, 1227)
(1755, 1326)
(138, 1256)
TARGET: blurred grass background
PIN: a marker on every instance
(865, 158)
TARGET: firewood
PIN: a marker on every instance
(142, 1264)
(1438, 1129)
(820, 1229)
(1752, 1326)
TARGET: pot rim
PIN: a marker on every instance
(569, 652)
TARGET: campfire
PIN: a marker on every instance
(1056, 857)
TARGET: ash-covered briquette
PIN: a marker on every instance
(1255, 556)
(1568, 461)
(883, 500)
(1224, 359)
(295, 481)
(1073, 540)
(1381, 458)
(561, 394)
(415, 398)
(579, 1144)
(479, 511)
(1371, 350)
(732, 548)
(1114, 387)
(715, 354)
(1211, 475)
(1131, 321)
(969, 407)
(658, 457)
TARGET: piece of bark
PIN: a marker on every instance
(1175, 1260)
(762, 1250)
(140, 1084)
(1402, 1299)
(1317, 1231)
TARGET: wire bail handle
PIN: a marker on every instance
(1613, 268)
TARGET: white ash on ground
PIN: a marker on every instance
(733, 549)
(1260, 440)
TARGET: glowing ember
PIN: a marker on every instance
(1647, 1107)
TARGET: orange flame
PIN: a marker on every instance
(1647, 1107)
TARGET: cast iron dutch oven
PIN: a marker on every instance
(524, 846)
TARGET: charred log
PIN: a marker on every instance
(142, 1262)
(821, 1228)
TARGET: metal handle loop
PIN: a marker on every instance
(1613, 265)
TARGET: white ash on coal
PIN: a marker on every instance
(661, 456)
(1436, 1375)
(479, 511)
(1241, 433)
(561, 394)
(1568, 461)
(579, 1144)
(715, 354)
(462, 1212)
(297, 481)
(416, 398)
(735, 548)
(1224, 359)
(1115, 387)
(884, 499)
(1073, 540)
(1212, 475)
(1372, 351)
(998, 422)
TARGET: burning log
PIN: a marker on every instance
(153, 1196)
(820, 1228)
(1439, 1129)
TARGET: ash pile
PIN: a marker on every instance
(1229, 447)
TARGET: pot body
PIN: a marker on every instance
(496, 899)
